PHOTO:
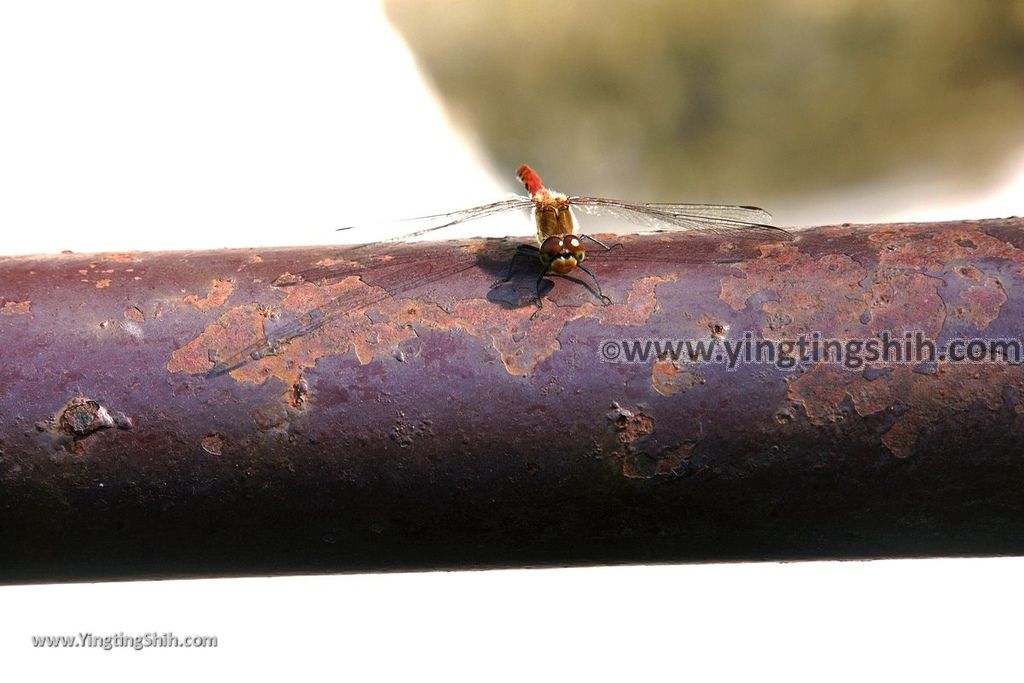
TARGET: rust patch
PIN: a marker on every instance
(642, 466)
(377, 330)
(797, 307)
(79, 418)
(969, 272)
(715, 327)
(333, 262)
(219, 292)
(287, 280)
(820, 391)
(669, 377)
(917, 399)
(905, 302)
(212, 444)
(103, 284)
(851, 307)
(628, 425)
(121, 257)
(16, 308)
(982, 303)
(299, 394)
(236, 329)
(82, 416)
(243, 326)
(270, 416)
(630, 429)
(475, 247)
(927, 247)
(524, 340)
(134, 314)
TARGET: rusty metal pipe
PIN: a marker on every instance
(271, 411)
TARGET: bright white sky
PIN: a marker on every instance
(128, 125)
(132, 125)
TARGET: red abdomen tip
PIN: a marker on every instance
(530, 179)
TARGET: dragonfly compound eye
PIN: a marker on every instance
(550, 249)
(574, 245)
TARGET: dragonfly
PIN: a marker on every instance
(560, 249)
(561, 246)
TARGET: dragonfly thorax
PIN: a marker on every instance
(552, 214)
(562, 253)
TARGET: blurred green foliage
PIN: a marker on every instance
(728, 99)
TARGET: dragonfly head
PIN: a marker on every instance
(562, 253)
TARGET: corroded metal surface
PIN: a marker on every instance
(323, 409)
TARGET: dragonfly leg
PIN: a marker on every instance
(540, 298)
(600, 243)
(604, 299)
(521, 250)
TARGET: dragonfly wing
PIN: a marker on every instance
(744, 222)
(404, 274)
(747, 214)
(414, 227)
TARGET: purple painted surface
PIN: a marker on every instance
(292, 410)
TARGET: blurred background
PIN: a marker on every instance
(201, 124)
(824, 110)
(207, 124)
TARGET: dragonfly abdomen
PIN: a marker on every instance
(529, 178)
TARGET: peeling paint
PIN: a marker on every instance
(79, 418)
(670, 377)
(522, 338)
(213, 444)
(218, 293)
(234, 329)
(628, 425)
(299, 394)
(969, 272)
(642, 466)
(122, 257)
(270, 416)
(82, 416)
(981, 303)
(916, 399)
(798, 306)
(134, 314)
(857, 303)
(631, 429)
(16, 308)
(934, 248)
(716, 327)
(336, 263)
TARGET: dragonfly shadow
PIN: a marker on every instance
(522, 290)
(519, 292)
